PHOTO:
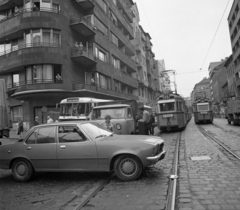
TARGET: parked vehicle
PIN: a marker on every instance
(202, 111)
(233, 111)
(5, 119)
(77, 108)
(80, 146)
(123, 113)
(171, 112)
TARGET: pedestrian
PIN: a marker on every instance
(58, 78)
(36, 121)
(145, 119)
(49, 119)
(20, 127)
(152, 124)
(108, 124)
(76, 45)
(34, 7)
(16, 10)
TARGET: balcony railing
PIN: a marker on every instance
(101, 88)
(33, 82)
(76, 20)
(29, 45)
(21, 11)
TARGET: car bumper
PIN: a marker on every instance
(158, 157)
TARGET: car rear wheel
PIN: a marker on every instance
(127, 167)
(22, 170)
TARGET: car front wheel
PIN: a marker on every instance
(128, 167)
(22, 170)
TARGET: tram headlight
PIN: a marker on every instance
(118, 126)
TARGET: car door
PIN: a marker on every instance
(75, 151)
(40, 148)
(130, 122)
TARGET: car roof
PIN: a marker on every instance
(111, 106)
(66, 123)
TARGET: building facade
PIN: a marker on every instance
(59, 49)
(234, 31)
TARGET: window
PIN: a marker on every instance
(101, 27)
(114, 39)
(68, 134)
(16, 113)
(40, 73)
(15, 80)
(32, 139)
(116, 63)
(46, 135)
(169, 106)
(113, 18)
(103, 5)
(101, 54)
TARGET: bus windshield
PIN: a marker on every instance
(75, 109)
(168, 106)
(115, 113)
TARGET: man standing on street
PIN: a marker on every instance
(49, 119)
(36, 121)
(145, 119)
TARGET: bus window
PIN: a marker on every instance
(66, 110)
(164, 107)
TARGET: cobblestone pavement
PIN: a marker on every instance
(206, 184)
(147, 193)
(222, 122)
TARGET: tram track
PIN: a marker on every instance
(223, 147)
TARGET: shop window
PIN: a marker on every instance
(16, 113)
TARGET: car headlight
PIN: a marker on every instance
(118, 126)
(155, 150)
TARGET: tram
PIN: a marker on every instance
(172, 112)
(202, 111)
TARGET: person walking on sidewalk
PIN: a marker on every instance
(20, 127)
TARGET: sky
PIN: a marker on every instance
(182, 32)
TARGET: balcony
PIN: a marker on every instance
(140, 80)
(85, 4)
(24, 11)
(83, 25)
(127, 13)
(34, 85)
(84, 56)
(101, 91)
(28, 45)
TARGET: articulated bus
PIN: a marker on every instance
(77, 108)
(171, 112)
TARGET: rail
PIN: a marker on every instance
(173, 179)
(79, 51)
(28, 10)
(29, 45)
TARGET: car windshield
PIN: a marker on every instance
(115, 113)
(75, 109)
(95, 130)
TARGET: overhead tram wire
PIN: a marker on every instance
(215, 34)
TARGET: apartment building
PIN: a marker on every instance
(234, 31)
(204, 87)
(53, 49)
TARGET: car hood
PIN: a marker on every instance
(128, 138)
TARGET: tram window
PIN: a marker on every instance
(164, 107)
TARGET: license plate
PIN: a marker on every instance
(167, 115)
(203, 112)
